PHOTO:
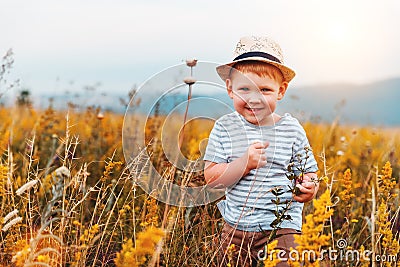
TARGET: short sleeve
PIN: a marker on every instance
(303, 156)
(215, 149)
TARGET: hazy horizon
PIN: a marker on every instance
(61, 46)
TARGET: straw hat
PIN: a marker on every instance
(261, 49)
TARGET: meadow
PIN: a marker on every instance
(69, 198)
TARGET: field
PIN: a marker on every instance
(69, 198)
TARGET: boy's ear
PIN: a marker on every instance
(229, 87)
(282, 90)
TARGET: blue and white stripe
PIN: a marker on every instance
(248, 203)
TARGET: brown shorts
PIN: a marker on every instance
(249, 246)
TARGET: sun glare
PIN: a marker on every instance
(338, 33)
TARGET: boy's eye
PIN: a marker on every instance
(264, 90)
(243, 89)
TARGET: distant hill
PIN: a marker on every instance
(375, 103)
(369, 104)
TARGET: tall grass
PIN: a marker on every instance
(68, 198)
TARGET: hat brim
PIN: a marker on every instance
(225, 70)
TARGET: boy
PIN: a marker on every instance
(248, 153)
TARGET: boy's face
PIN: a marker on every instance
(255, 97)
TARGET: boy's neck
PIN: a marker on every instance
(272, 120)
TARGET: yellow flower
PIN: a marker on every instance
(109, 169)
(230, 252)
(346, 194)
(312, 237)
(364, 261)
(151, 217)
(3, 178)
(385, 181)
(88, 235)
(20, 257)
(389, 244)
(43, 258)
(271, 253)
(131, 256)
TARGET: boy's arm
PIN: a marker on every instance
(308, 188)
(221, 175)
(227, 174)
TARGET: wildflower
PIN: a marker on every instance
(20, 257)
(191, 62)
(26, 187)
(100, 116)
(126, 257)
(272, 254)
(94, 230)
(151, 217)
(389, 243)
(364, 261)
(43, 258)
(3, 177)
(109, 169)
(312, 238)
(354, 221)
(131, 256)
(346, 194)
(189, 80)
(89, 234)
(230, 251)
(385, 181)
(11, 223)
(146, 240)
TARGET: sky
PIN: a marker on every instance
(113, 45)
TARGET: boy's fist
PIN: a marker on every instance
(255, 155)
(308, 188)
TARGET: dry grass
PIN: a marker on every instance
(68, 198)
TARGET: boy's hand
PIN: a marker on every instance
(228, 174)
(307, 188)
(255, 156)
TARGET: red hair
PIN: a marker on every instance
(260, 68)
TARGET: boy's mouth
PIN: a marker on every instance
(254, 111)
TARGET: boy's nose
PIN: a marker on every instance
(255, 98)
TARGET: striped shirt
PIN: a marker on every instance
(248, 204)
